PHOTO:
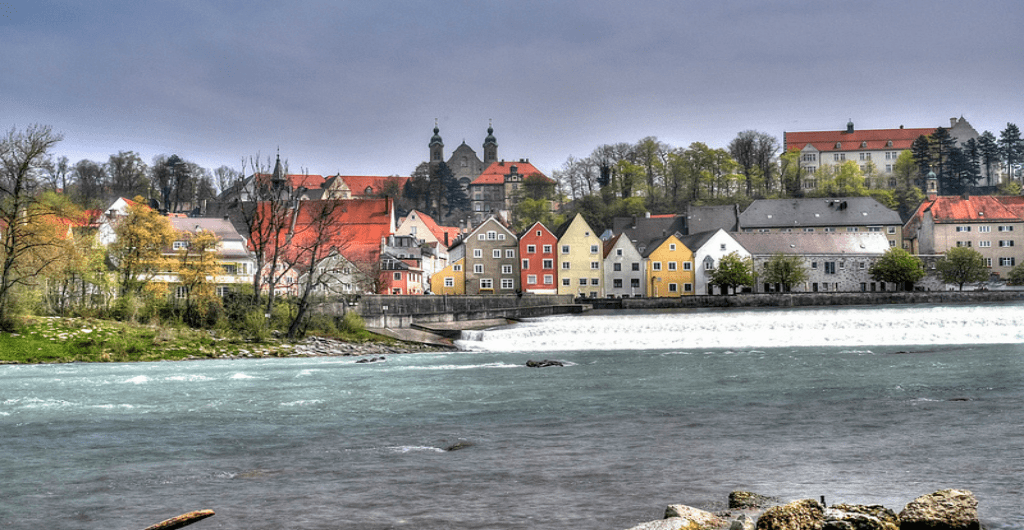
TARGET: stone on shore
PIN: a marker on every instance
(699, 519)
(742, 523)
(807, 514)
(747, 499)
(943, 510)
(672, 523)
(860, 517)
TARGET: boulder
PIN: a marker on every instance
(797, 515)
(746, 499)
(860, 517)
(742, 523)
(700, 519)
(459, 445)
(943, 510)
(672, 523)
(544, 364)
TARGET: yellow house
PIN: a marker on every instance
(669, 268)
(450, 280)
(580, 259)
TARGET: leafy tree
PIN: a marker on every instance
(754, 152)
(961, 265)
(897, 266)
(1016, 275)
(732, 272)
(840, 180)
(785, 269)
(197, 267)
(28, 239)
(791, 174)
(908, 196)
(138, 252)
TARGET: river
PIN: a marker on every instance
(861, 405)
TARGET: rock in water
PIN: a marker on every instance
(943, 510)
(544, 364)
(746, 499)
(742, 523)
(461, 444)
(699, 519)
(860, 517)
(798, 515)
(672, 523)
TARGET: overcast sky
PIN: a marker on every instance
(354, 87)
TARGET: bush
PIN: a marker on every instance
(352, 322)
(256, 328)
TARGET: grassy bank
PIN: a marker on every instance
(62, 340)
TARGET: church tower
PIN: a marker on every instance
(436, 147)
(490, 146)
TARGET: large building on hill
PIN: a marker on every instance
(464, 162)
(879, 146)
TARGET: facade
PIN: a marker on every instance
(492, 259)
(497, 189)
(336, 276)
(237, 264)
(464, 162)
(669, 268)
(991, 225)
(708, 249)
(624, 269)
(829, 215)
(451, 279)
(580, 258)
(537, 246)
(834, 262)
(359, 187)
(423, 227)
(400, 276)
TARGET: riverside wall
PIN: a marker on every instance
(387, 311)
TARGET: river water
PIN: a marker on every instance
(862, 405)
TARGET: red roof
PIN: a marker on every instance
(355, 228)
(495, 173)
(439, 231)
(358, 184)
(972, 208)
(1014, 203)
(310, 182)
(866, 140)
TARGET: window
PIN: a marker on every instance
(828, 229)
(810, 157)
(547, 249)
(687, 266)
(838, 157)
(583, 281)
(968, 243)
(397, 276)
(656, 265)
(449, 281)
(179, 245)
(673, 288)
(538, 233)
(181, 292)
(492, 235)
(672, 247)
(510, 253)
(232, 268)
(478, 253)
(223, 290)
(985, 244)
(891, 230)
(481, 237)
(808, 229)
(595, 281)
(593, 249)
(617, 283)
(852, 229)
(530, 249)
(1007, 262)
(984, 228)
(988, 262)
(566, 282)
(671, 265)
(501, 237)
(496, 253)
(1006, 228)
(486, 283)
(634, 283)
(636, 267)
(595, 265)
(526, 264)
(565, 265)
(687, 287)
(548, 279)
(457, 268)
(830, 267)
(506, 269)
(531, 278)
(814, 265)
(565, 249)
(1005, 242)
(548, 264)
(617, 267)
(963, 229)
(865, 156)
(478, 268)
(618, 252)
(507, 283)
(709, 265)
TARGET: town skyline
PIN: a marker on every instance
(356, 89)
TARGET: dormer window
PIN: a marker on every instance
(863, 144)
(368, 191)
(889, 143)
(839, 145)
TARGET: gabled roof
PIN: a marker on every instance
(532, 227)
(696, 241)
(310, 182)
(437, 230)
(842, 211)
(649, 248)
(703, 218)
(643, 230)
(971, 208)
(802, 243)
(486, 221)
(495, 173)
(356, 228)
(222, 228)
(866, 140)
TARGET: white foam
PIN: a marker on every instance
(302, 402)
(242, 376)
(413, 448)
(138, 380)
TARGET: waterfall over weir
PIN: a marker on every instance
(759, 328)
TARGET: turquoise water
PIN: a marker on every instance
(605, 442)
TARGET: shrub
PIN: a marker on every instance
(256, 328)
(352, 322)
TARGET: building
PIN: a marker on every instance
(991, 225)
(359, 187)
(829, 215)
(497, 190)
(669, 268)
(624, 270)
(424, 227)
(451, 279)
(579, 256)
(834, 262)
(538, 274)
(237, 264)
(708, 250)
(492, 259)
(466, 166)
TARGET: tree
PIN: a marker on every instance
(840, 180)
(27, 239)
(90, 181)
(899, 267)
(908, 196)
(1016, 275)
(226, 177)
(786, 270)
(197, 267)
(732, 272)
(138, 252)
(313, 240)
(988, 152)
(172, 177)
(127, 174)
(1011, 147)
(754, 151)
(962, 265)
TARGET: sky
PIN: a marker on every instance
(355, 87)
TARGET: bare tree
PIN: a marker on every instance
(226, 177)
(314, 236)
(127, 174)
(90, 182)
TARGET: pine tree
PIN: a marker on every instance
(1011, 147)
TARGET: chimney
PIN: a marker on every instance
(952, 123)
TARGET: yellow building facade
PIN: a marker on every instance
(670, 269)
(580, 259)
(450, 280)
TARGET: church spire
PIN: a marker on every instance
(490, 145)
(436, 145)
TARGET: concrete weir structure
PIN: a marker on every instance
(389, 312)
